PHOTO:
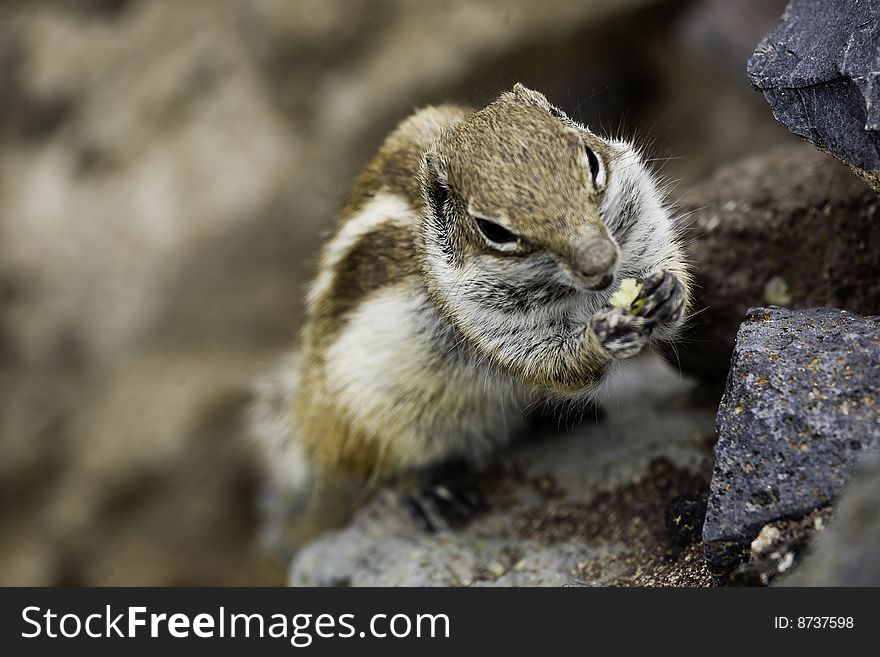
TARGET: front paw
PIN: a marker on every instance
(620, 334)
(661, 300)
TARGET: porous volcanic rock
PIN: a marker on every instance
(800, 408)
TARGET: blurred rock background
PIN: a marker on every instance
(166, 172)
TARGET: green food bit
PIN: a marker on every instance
(627, 296)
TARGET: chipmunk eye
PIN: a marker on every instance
(495, 233)
(595, 167)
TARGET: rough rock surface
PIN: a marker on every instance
(847, 554)
(819, 70)
(800, 408)
(609, 504)
(791, 214)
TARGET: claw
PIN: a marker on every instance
(662, 297)
(418, 511)
(651, 283)
(622, 335)
(447, 500)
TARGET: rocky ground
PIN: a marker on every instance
(605, 503)
(166, 173)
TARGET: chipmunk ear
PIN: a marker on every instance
(525, 95)
(434, 183)
(522, 94)
(439, 205)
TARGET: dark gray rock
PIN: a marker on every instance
(800, 407)
(846, 554)
(791, 214)
(819, 70)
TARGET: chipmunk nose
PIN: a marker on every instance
(597, 259)
(604, 283)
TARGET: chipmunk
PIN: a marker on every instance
(469, 276)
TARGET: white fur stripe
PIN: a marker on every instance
(384, 208)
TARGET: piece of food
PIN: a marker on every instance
(627, 295)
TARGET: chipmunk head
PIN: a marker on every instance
(515, 201)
